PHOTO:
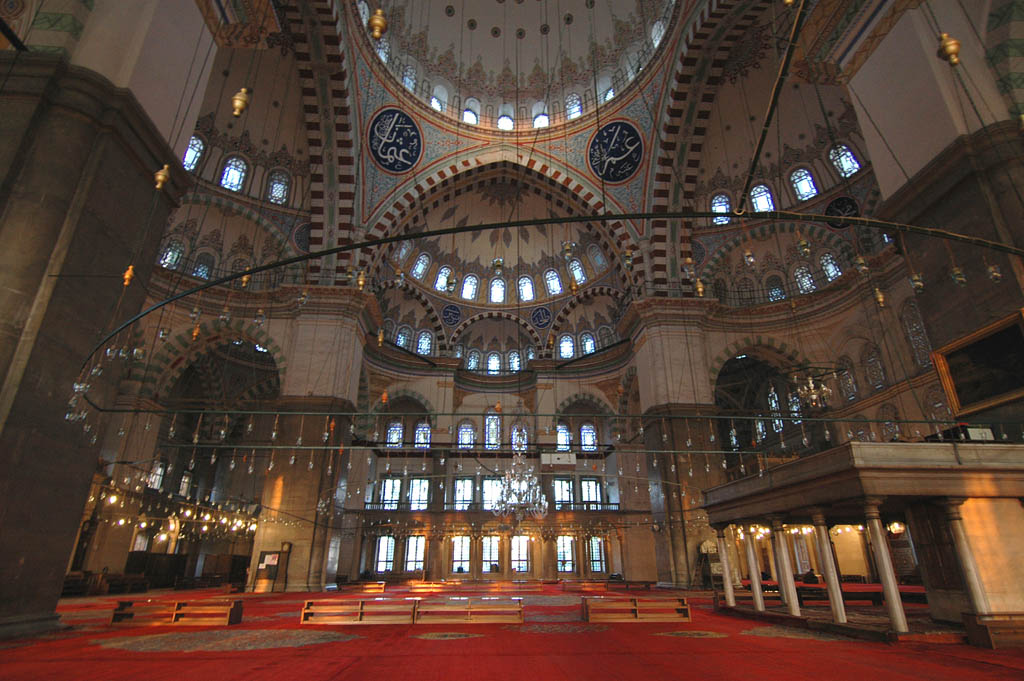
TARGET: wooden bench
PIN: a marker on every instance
(995, 631)
(432, 587)
(516, 587)
(601, 609)
(376, 611)
(207, 613)
(372, 587)
(584, 585)
(146, 613)
(804, 593)
(630, 585)
(470, 611)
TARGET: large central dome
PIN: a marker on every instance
(520, 58)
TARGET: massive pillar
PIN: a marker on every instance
(968, 567)
(785, 569)
(754, 569)
(723, 557)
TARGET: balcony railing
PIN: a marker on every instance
(465, 506)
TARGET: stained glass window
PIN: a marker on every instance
(803, 184)
(794, 406)
(588, 437)
(493, 363)
(469, 286)
(573, 106)
(564, 552)
(576, 269)
(278, 186)
(492, 431)
(553, 282)
(422, 435)
(409, 77)
(403, 338)
(193, 154)
(172, 255)
(419, 268)
(395, 433)
(596, 256)
(847, 383)
(563, 437)
(776, 410)
(916, 334)
(566, 347)
(233, 176)
(761, 198)
(804, 280)
(720, 203)
(385, 554)
(525, 289)
(773, 285)
(844, 160)
(514, 363)
(519, 437)
(441, 282)
(473, 360)
(467, 436)
(587, 343)
(203, 266)
(414, 551)
(497, 290)
(830, 266)
(423, 342)
(873, 369)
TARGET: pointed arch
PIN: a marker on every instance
(432, 316)
(496, 314)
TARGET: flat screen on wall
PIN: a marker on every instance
(985, 368)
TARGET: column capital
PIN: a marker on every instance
(720, 530)
(775, 522)
(952, 506)
(871, 505)
(818, 516)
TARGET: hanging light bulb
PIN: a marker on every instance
(194, 314)
(567, 249)
(384, 397)
(498, 264)
(303, 298)
(803, 248)
(748, 258)
(380, 337)
(260, 317)
(688, 268)
(958, 277)
(995, 273)
(879, 297)
(449, 285)
(573, 286)
(860, 264)
(361, 280)
(699, 287)
(225, 316)
(400, 279)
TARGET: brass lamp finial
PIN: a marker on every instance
(377, 24)
(239, 102)
(162, 176)
(949, 49)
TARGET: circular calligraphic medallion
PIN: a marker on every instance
(451, 315)
(396, 143)
(541, 317)
(615, 151)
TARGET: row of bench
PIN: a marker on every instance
(205, 613)
(597, 609)
(412, 611)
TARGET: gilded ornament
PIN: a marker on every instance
(377, 24)
(949, 49)
(129, 274)
(162, 177)
(239, 102)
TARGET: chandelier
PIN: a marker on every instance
(520, 492)
(814, 393)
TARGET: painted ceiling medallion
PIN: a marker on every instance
(396, 143)
(615, 151)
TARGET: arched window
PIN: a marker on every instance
(573, 106)
(776, 291)
(794, 406)
(278, 186)
(423, 342)
(889, 417)
(395, 433)
(566, 347)
(193, 154)
(172, 255)
(916, 334)
(720, 289)
(469, 286)
(439, 98)
(473, 360)
(576, 269)
(383, 49)
(804, 280)
(606, 336)
(541, 120)
(458, 350)
(525, 289)
(761, 198)
(492, 431)
(608, 95)
(587, 343)
(803, 184)
(519, 438)
(597, 258)
(419, 268)
(421, 437)
(409, 77)
(493, 363)
(657, 32)
(514, 363)
(830, 266)
(776, 410)
(443, 275)
(403, 338)
(553, 282)
(497, 290)
(588, 437)
(563, 438)
(364, 12)
(745, 291)
(873, 369)
(402, 252)
(505, 122)
(202, 268)
(467, 435)
(530, 353)
(233, 176)
(847, 382)
(720, 203)
(844, 160)
(471, 114)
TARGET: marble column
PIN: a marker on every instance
(883, 562)
(754, 569)
(785, 568)
(723, 558)
(968, 567)
(828, 567)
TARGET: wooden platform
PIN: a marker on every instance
(610, 609)
(1004, 630)
(375, 611)
(584, 585)
(476, 610)
(180, 613)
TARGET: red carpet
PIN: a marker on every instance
(270, 645)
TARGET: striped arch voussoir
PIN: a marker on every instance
(180, 351)
(378, 406)
(499, 314)
(586, 294)
(750, 345)
(818, 235)
(714, 31)
(435, 319)
(599, 405)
